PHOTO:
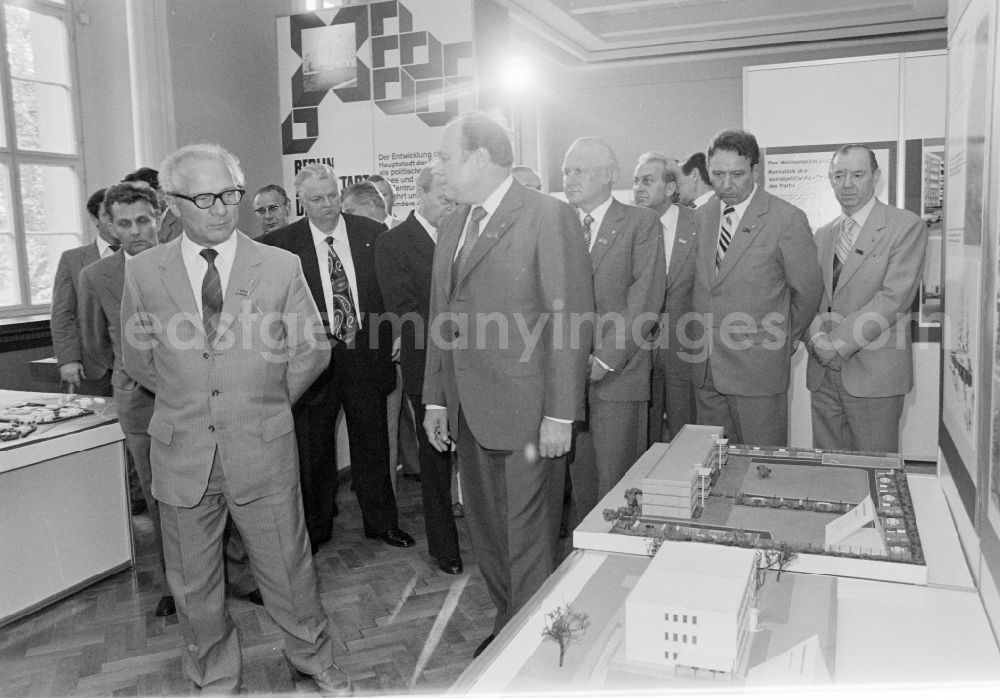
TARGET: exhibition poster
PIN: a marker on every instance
(368, 88)
(800, 176)
(968, 71)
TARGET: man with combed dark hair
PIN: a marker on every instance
(388, 192)
(861, 362)
(506, 398)
(219, 328)
(272, 207)
(671, 401)
(757, 288)
(404, 257)
(694, 188)
(64, 322)
(170, 226)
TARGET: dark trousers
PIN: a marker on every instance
(754, 420)
(512, 508)
(672, 394)
(435, 489)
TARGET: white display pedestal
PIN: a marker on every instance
(64, 509)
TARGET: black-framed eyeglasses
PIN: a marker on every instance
(230, 197)
(265, 210)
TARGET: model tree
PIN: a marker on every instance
(776, 559)
(564, 625)
(763, 471)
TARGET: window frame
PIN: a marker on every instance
(13, 158)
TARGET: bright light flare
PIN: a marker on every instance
(517, 75)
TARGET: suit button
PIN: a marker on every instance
(215, 393)
(211, 428)
(205, 355)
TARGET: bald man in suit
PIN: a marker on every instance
(224, 331)
(860, 359)
(757, 288)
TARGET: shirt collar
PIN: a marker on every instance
(339, 233)
(491, 202)
(226, 248)
(703, 199)
(741, 207)
(669, 216)
(431, 230)
(102, 246)
(597, 214)
(861, 215)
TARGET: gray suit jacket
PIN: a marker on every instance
(629, 281)
(101, 286)
(505, 353)
(761, 300)
(867, 316)
(64, 322)
(234, 396)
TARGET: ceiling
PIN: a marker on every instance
(595, 31)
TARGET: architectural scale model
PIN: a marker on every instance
(831, 508)
(18, 421)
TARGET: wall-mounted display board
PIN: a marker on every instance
(801, 113)
(367, 88)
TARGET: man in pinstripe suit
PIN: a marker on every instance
(219, 327)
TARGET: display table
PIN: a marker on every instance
(870, 630)
(64, 508)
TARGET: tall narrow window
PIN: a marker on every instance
(40, 214)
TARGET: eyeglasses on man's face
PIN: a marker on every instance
(266, 210)
(230, 197)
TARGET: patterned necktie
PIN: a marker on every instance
(471, 235)
(211, 295)
(845, 243)
(343, 320)
(725, 235)
(588, 221)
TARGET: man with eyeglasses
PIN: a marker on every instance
(218, 327)
(272, 206)
(338, 258)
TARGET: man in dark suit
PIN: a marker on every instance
(220, 329)
(505, 374)
(338, 259)
(671, 401)
(757, 288)
(64, 322)
(170, 225)
(629, 272)
(694, 186)
(404, 257)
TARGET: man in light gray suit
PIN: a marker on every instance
(224, 331)
(861, 363)
(629, 273)
(757, 288)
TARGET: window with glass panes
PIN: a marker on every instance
(40, 207)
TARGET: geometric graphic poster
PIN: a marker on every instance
(800, 176)
(969, 65)
(368, 88)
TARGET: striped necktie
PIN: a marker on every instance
(725, 235)
(211, 295)
(588, 221)
(845, 243)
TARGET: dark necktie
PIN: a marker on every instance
(725, 235)
(343, 320)
(114, 248)
(588, 221)
(211, 295)
(471, 235)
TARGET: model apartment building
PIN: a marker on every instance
(679, 483)
(693, 608)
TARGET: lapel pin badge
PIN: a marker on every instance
(242, 292)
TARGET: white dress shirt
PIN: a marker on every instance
(598, 215)
(739, 210)
(342, 246)
(860, 217)
(431, 230)
(490, 206)
(669, 221)
(103, 248)
(196, 265)
(703, 199)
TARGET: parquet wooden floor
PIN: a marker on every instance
(399, 624)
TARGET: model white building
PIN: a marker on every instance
(679, 482)
(693, 607)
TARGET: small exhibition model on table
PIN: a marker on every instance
(849, 514)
